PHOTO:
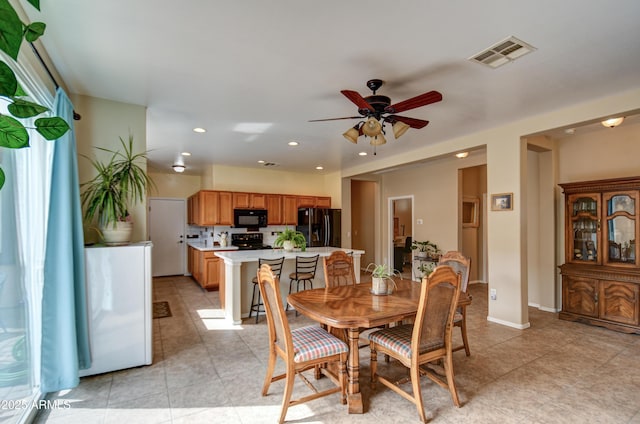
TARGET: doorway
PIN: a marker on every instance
(167, 219)
(472, 219)
(401, 234)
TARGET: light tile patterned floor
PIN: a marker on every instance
(205, 372)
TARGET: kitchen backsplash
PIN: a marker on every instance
(212, 234)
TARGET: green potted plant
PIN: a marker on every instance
(426, 249)
(426, 268)
(290, 238)
(119, 183)
(382, 278)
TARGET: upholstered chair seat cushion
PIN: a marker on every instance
(313, 342)
(398, 339)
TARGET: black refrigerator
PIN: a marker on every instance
(321, 227)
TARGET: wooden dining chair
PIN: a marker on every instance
(428, 339)
(461, 264)
(301, 349)
(338, 270)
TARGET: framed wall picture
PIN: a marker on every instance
(502, 202)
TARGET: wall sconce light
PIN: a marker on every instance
(178, 168)
(613, 122)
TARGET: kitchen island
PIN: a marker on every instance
(241, 266)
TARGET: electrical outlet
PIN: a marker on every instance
(493, 294)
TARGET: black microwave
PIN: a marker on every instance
(249, 218)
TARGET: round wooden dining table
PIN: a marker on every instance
(355, 308)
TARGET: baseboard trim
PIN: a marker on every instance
(509, 323)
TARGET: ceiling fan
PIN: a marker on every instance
(376, 110)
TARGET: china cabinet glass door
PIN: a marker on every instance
(621, 227)
(584, 211)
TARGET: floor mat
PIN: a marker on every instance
(161, 310)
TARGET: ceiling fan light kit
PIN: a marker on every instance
(377, 110)
(378, 140)
(352, 134)
(399, 128)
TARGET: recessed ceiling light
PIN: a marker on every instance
(199, 130)
(260, 161)
(185, 154)
(462, 155)
(362, 153)
(293, 143)
(319, 168)
(570, 131)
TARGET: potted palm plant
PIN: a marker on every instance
(290, 238)
(119, 183)
(382, 278)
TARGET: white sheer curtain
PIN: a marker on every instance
(24, 205)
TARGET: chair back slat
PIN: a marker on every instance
(275, 264)
(306, 264)
(277, 322)
(338, 270)
(434, 319)
(459, 263)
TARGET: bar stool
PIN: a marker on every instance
(256, 300)
(305, 273)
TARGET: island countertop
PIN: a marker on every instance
(209, 247)
(240, 256)
(240, 268)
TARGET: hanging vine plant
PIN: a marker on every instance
(13, 133)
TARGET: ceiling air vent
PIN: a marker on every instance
(503, 52)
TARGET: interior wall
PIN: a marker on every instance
(222, 177)
(434, 186)
(103, 123)
(175, 185)
(363, 228)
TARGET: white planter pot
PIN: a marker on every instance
(378, 285)
(118, 234)
(288, 245)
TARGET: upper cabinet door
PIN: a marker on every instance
(583, 228)
(240, 200)
(621, 227)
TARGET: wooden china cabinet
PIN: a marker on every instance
(601, 273)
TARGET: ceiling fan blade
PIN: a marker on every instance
(412, 122)
(414, 102)
(335, 119)
(357, 99)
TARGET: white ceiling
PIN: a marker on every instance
(217, 64)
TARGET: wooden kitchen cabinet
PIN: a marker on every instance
(289, 210)
(323, 202)
(249, 200)
(274, 209)
(601, 273)
(209, 207)
(207, 269)
(314, 202)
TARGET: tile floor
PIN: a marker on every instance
(206, 372)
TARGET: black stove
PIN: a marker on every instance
(248, 241)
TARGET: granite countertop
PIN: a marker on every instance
(209, 247)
